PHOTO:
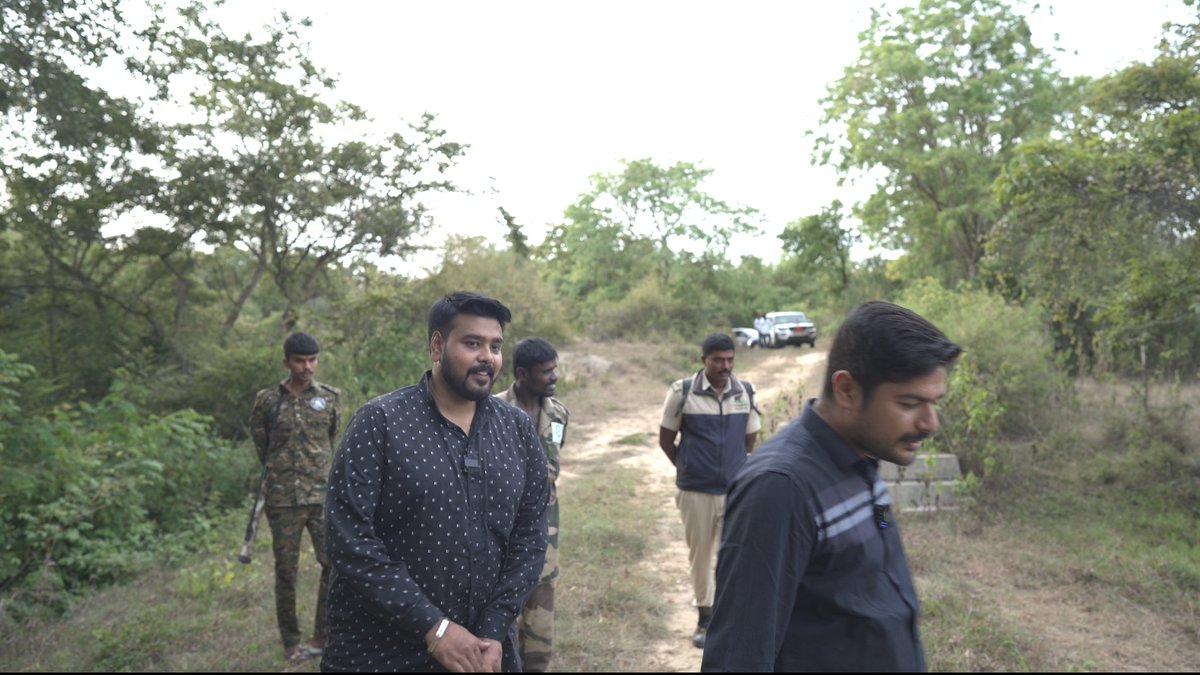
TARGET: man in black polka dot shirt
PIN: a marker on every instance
(436, 514)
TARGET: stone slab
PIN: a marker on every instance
(942, 466)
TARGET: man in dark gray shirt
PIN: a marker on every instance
(811, 574)
(436, 515)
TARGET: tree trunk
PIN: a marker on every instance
(236, 311)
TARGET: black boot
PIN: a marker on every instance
(702, 626)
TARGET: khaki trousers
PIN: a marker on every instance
(702, 514)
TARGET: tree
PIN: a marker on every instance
(254, 168)
(1103, 226)
(935, 104)
(646, 218)
(71, 161)
(517, 240)
(820, 242)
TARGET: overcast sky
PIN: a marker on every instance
(550, 93)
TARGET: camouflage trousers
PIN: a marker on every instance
(287, 530)
(535, 626)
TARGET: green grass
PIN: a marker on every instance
(964, 633)
(211, 613)
(200, 612)
(1087, 534)
(609, 604)
(638, 440)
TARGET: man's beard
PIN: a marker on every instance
(463, 387)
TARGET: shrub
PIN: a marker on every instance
(1006, 385)
(88, 490)
(651, 310)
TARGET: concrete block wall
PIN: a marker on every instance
(926, 485)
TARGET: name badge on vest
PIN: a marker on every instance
(318, 404)
(556, 431)
(741, 404)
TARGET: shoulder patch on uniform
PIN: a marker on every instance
(559, 407)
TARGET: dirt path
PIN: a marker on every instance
(777, 377)
(1070, 626)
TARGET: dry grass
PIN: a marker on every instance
(1085, 555)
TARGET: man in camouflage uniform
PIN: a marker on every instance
(535, 373)
(294, 424)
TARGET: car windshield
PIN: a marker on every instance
(790, 318)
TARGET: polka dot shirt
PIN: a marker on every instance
(424, 521)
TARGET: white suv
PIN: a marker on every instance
(791, 328)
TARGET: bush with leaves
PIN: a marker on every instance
(1006, 385)
(89, 489)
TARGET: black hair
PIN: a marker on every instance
(302, 344)
(531, 352)
(717, 342)
(442, 313)
(880, 342)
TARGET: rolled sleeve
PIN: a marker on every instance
(672, 420)
(260, 427)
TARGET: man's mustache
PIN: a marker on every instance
(914, 438)
(482, 370)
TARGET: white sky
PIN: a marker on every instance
(549, 93)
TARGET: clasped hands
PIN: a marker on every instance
(461, 652)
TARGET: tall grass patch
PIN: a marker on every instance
(1127, 486)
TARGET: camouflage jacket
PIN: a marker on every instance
(551, 427)
(294, 437)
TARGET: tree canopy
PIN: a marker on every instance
(938, 99)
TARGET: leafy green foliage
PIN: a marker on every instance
(473, 264)
(253, 169)
(821, 243)
(939, 97)
(1102, 225)
(645, 220)
(88, 489)
(1006, 383)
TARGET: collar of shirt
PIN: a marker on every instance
(701, 383)
(283, 388)
(839, 451)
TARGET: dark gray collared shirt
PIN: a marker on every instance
(424, 521)
(811, 575)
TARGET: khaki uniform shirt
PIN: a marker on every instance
(551, 428)
(294, 436)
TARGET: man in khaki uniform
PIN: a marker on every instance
(536, 374)
(714, 416)
(294, 425)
